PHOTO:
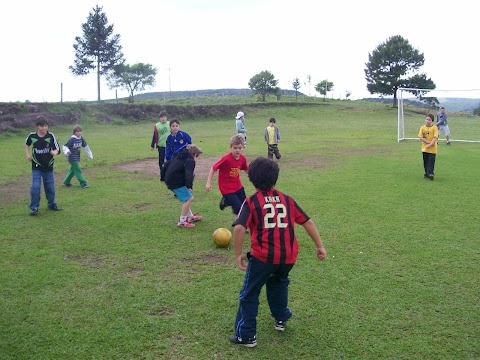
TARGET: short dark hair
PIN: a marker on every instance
(41, 121)
(273, 120)
(431, 116)
(162, 113)
(174, 120)
(263, 173)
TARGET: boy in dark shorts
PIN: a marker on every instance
(271, 216)
(229, 167)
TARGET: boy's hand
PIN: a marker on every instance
(208, 187)
(242, 262)
(321, 253)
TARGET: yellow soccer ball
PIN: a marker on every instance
(222, 237)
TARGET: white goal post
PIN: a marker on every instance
(459, 106)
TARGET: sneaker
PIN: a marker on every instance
(250, 342)
(448, 142)
(33, 212)
(195, 217)
(185, 224)
(68, 185)
(84, 186)
(431, 176)
(222, 204)
(55, 208)
(425, 176)
(280, 325)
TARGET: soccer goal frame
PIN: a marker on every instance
(462, 119)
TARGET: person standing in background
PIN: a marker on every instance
(442, 124)
(160, 132)
(240, 126)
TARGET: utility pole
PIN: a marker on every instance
(169, 83)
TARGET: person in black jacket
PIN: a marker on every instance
(178, 175)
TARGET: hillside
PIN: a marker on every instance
(207, 92)
(14, 116)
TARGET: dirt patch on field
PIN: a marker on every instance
(15, 190)
(150, 166)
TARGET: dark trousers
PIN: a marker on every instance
(161, 156)
(429, 163)
(273, 149)
(235, 200)
(259, 273)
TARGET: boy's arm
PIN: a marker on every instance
(28, 153)
(154, 138)
(315, 236)
(89, 152)
(56, 148)
(431, 143)
(66, 150)
(189, 169)
(168, 152)
(208, 186)
(239, 232)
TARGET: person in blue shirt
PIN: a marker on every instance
(176, 141)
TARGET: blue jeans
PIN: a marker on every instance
(48, 185)
(259, 273)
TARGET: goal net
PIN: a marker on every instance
(459, 105)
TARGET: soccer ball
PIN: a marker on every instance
(222, 237)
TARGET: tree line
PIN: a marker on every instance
(392, 65)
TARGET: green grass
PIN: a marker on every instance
(112, 276)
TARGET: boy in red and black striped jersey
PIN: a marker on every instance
(271, 216)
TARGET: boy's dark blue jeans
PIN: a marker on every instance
(48, 185)
(259, 273)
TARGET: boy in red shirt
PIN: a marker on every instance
(229, 167)
(271, 217)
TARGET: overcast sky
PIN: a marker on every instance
(214, 44)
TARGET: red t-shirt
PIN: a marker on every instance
(271, 217)
(229, 173)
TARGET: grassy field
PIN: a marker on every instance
(112, 276)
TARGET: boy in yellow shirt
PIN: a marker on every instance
(272, 137)
(428, 135)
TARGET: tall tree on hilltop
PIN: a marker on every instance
(263, 83)
(98, 49)
(395, 64)
(296, 85)
(323, 87)
(132, 78)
